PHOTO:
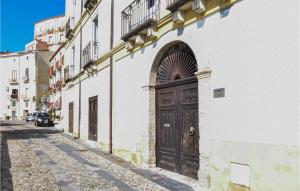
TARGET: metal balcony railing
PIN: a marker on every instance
(139, 15)
(26, 79)
(89, 3)
(25, 97)
(70, 27)
(69, 73)
(13, 80)
(58, 84)
(14, 96)
(173, 5)
(90, 54)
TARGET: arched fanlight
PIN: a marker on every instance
(178, 63)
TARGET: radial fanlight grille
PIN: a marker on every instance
(175, 66)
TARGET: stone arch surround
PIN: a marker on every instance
(203, 76)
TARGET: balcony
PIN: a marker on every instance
(58, 65)
(51, 88)
(50, 105)
(13, 81)
(138, 17)
(89, 4)
(57, 104)
(90, 54)
(50, 72)
(62, 60)
(58, 84)
(14, 97)
(26, 79)
(25, 98)
(69, 73)
(70, 27)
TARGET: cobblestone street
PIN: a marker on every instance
(44, 159)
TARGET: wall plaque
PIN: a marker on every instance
(218, 93)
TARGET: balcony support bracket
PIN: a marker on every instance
(129, 45)
(139, 40)
(199, 6)
(151, 32)
(178, 16)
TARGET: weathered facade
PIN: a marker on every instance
(208, 89)
(48, 34)
(56, 75)
(22, 82)
(23, 75)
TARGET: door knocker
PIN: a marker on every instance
(192, 130)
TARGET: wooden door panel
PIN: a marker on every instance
(177, 145)
(190, 142)
(93, 118)
(166, 139)
(167, 97)
(71, 117)
(189, 94)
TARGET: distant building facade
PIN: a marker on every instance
(56, 75)
(23, 75)
(22, 82)
(48, 31)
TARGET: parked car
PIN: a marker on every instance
(43, 119)
(30, 117)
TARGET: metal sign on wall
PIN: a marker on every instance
(219, 93)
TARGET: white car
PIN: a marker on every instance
(31, 117)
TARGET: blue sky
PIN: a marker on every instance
(18, 18)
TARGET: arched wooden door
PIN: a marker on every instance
(177, 137)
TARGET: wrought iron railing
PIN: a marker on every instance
(69, 73)
(90, 53)
(138, 15)
(25, 79)
(89, 3)
(14, 96)
(70, 26)
(13, 80)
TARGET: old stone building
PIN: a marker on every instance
(206, 88)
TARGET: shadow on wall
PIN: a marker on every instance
(225, 12)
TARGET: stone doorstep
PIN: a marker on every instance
(167, 179)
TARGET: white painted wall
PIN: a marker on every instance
(18, 62)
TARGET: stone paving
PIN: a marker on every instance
(44, 159)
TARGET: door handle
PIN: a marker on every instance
(192, 130)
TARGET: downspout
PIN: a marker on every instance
(80, 56)
(111, 76)
(19, 91)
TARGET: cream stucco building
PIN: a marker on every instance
(23, 75)
(208, 89)
(23, 81)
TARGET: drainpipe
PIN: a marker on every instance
(19, 91)
(80, 56)
(111, 75)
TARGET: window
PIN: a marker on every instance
(26, 92)
(13, 104)
(27, 72)
(50, 40)
(26, 104)
(150, 3)
(14, 91)
(95, 29)
(73, 55)
(61, 37)
(14, 75)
